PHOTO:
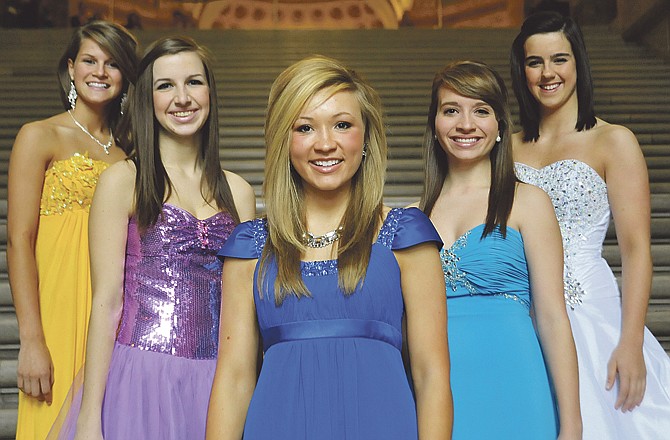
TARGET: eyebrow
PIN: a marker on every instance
(190, 77)
(333, 116)
(456, 104)
(556, 55)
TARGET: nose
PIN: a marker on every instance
(100, 70)
(465, 123)
(547, 71)
(326, 142)
(182, 96)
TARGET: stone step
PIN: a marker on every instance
(7, 423)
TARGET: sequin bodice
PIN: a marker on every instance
(579, 196)
(172, 288)
(69, 184)
(491, 266)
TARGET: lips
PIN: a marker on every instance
(183, 113)
(326, 163)
(465, 141)
(97, 85)
(549, 87)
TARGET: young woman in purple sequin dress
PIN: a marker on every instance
(593, 170)
(327, 306)
(157, 222)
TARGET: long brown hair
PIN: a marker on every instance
(152, 184)
(475, 80)
(121, 46)
(290, 92)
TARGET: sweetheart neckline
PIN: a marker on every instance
(577, 161)
(447, 249)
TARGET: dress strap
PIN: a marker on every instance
(332, 328)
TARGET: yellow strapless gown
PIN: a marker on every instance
(64, 278)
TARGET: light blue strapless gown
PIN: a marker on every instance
(332, 368)
(499, 380)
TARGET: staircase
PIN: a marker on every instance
(400, 64)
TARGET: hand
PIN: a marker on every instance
(35, 374)
(627, 363)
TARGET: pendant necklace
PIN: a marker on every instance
(320, 241)
(82, 128)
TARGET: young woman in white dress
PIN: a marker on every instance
(593, 170)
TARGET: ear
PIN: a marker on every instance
(70, 68)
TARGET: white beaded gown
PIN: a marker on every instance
(580, 200)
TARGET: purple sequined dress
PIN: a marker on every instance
(164, 358)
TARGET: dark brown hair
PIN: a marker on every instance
(152, 184)
(121, 46)
(529, 111)
(475, 80)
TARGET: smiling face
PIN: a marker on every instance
(326, 146)
(96, 76)
(180, 94)
(465, 127)
(550, 67)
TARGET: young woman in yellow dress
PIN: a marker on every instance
(54, 167)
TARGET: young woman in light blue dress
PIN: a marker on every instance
(502, 267)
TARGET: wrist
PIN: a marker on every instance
(631, 340)
(32, 337)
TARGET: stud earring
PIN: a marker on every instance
(72, 95)
(124, 101)
(365, 150)
(498, 139)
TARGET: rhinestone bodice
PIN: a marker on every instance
(579, 196)
(172, 287)
(69, 184)
(493, 266)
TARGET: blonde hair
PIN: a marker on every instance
(289, 94)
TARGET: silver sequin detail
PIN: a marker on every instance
(579, 196)
(329, 267)
(455, 277)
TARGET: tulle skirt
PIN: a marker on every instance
(148, 396)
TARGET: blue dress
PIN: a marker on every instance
(499, 381)
(332, 367)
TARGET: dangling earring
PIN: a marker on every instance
(365, 150)
(72, 95)
(498, 139)
(124, 100)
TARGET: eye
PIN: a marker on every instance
(449, 111)
(113, 65)
(88, 61)
(533, 63)
(560, 60)
(163, 86)
(343, 125)
(195, 82)
(483, 111)
(304, 128)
